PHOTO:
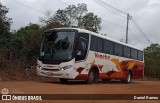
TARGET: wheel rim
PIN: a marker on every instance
(129, 78)
(91, 76)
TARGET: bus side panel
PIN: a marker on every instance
(112, 75)
(83, 66)
(109, 66)
(138, 70)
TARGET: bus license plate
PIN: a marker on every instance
(49, 73)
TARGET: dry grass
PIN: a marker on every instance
(19, 74)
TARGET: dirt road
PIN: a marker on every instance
(114, 87)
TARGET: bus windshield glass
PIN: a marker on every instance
(57, 45)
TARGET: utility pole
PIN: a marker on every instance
(128, 18)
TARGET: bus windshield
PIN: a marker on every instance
(57, 45)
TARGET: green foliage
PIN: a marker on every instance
(152, 60)
(90, 22)
(27, 41)
(4, 27)
(73, 16)
(5, 34)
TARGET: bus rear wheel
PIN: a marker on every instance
(63, 80)
(92, 77)
(128, 78)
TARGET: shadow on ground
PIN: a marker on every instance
(80, 82)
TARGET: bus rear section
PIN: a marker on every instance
(78, 54)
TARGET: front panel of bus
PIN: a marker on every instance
(57, 54)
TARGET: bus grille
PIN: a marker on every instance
(46, 69)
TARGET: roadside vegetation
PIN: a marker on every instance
(152, 61)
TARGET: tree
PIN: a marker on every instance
(73, 16)
(90, 22)
(75, 13)
(152, 60)
(152, 53)
(25, 44)
(5, 23)
(59, 19)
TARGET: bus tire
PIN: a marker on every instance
(128, 78)
(63, 80)
(92, 77)
(96, 77)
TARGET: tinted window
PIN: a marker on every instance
(126, 52)
(117, 49)
(140, 55)
(83, 46)
(85, 36)
(57, 45)
(108, 46)
(133, 54)
(96, 44)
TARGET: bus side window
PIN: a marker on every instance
(133, 53)
(126, 52)
(117, 49)
(140, 55)
(108, 46)
(96, 44)
(82, 46)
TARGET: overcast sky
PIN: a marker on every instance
(145, 12)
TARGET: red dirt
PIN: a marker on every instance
(49, 87)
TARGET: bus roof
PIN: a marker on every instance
(99, 35)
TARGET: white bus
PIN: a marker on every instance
(78, 54)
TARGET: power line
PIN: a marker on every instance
(122, 12)
(118, 12)
(63, 2)
(104, 5)
(140, 30)
(113, 23)
(28, 7)
(115, 11)
(135, 36)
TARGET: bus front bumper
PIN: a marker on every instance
(58, 74)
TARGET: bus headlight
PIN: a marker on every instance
(66, 67)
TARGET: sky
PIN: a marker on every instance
(144, 12)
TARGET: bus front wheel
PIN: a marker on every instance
(92, 77)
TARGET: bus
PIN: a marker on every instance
(79, 54)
